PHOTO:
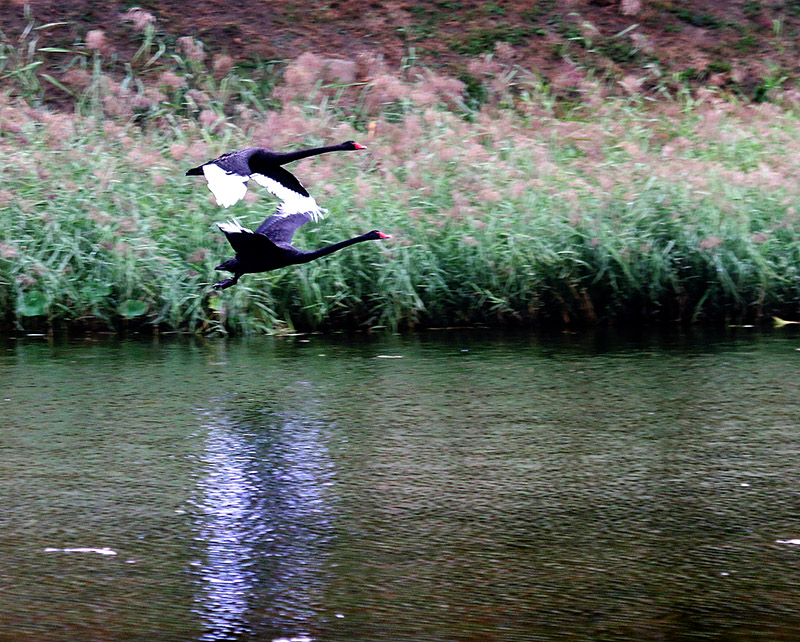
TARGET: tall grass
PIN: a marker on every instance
(515, 209)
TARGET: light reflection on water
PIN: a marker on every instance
(227, 581)
(266, 522)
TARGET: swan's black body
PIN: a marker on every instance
(270, 248)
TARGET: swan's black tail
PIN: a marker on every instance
(195, 171)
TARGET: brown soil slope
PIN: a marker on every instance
(743, 45)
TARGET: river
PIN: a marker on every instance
(444, 486)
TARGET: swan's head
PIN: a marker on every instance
(352, 145)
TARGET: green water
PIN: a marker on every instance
(442, 487)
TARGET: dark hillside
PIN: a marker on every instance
(743, 46)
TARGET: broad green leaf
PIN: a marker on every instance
(215, 303)
(33, 304)
(132, 308)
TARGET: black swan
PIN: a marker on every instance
(270, 246)
(227, 176)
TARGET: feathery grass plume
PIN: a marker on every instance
(140, 18)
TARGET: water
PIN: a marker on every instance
(448, 486)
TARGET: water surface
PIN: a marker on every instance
(446, 486)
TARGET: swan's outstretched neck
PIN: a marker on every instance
(305, 257)
(290, 157)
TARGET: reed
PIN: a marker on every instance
(520, 208)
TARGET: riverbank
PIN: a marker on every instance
(506, 203)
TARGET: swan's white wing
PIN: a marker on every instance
(293, 202)
(233, 227)
(228, 188)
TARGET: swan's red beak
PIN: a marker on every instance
(359, 146)
(383, 236)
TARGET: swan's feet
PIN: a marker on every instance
(225, 284)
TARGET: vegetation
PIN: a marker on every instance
(510, 199)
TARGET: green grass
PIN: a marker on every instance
(479, 40)
(503, 210)
(697, 19)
